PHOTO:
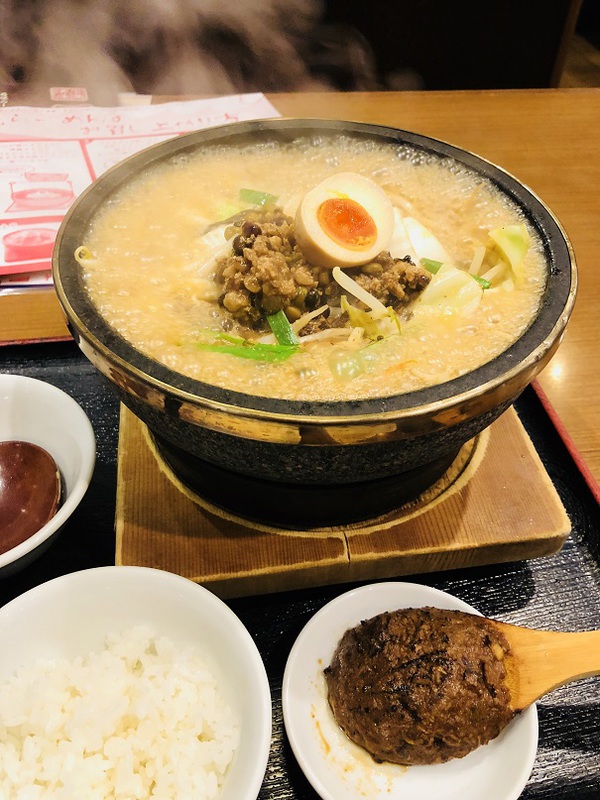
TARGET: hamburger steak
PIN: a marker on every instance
(420, 685)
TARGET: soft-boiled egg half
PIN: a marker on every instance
(345, 221)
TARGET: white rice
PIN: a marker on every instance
(143, 718)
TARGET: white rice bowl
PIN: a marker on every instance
(126, 683)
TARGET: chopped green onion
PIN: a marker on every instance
(482, 281)
(242, 348)
(431, 265)
(282, 329)
(257, 198)
(257, 352)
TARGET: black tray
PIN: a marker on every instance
(559, 592)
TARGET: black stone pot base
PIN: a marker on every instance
(298, 506)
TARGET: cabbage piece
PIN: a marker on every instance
(374, 327)
(215, 238)
(513, 243)
(346, 364)
(423, 241)
(215, 241)
(400, 244)
(289, 203)
(450, 291)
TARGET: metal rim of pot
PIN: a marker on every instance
(502, 378)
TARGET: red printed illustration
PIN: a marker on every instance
(26, 244)
(41, 191)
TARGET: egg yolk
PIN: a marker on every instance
(347, 223)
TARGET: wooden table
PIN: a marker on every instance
(549, 140)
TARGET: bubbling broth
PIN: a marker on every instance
(241, 267)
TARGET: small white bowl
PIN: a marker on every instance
(70, 616)
(340, 770)
(37, 412)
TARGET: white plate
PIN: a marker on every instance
(70, 616)
(34, 411)
(339, 769)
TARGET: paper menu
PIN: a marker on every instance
(48, 156)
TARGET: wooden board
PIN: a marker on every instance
(495, 504)
(31, 315)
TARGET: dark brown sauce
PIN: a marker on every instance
(30, 491)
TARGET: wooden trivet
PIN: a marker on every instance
(495, 504)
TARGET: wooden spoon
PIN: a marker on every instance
(30, 491)
(544, 660)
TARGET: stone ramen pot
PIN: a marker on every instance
(303, 463)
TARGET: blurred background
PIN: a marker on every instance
(582, 65)
(439, 45)
(201, 47)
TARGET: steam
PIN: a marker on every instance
(176, 47)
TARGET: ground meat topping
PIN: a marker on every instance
(393, 281)
(266, 271)
(420, 686)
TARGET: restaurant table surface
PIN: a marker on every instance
(549, 140)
